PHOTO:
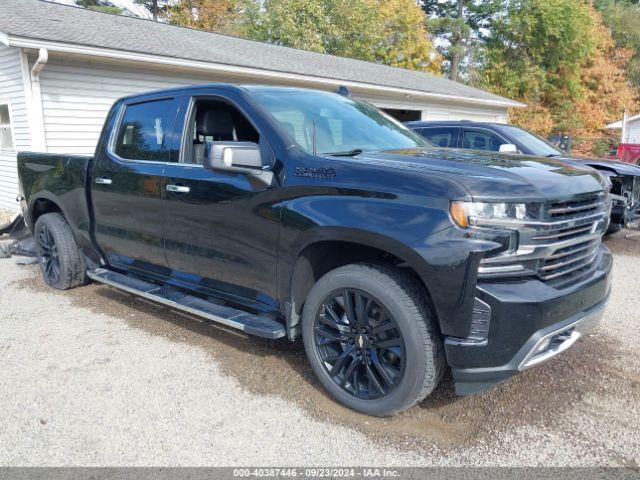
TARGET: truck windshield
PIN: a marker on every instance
(337, 125)
(533, 143)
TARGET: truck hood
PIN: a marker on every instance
(494, 177)
(621, 168)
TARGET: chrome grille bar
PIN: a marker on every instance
(561, 233)
(555, 276)
(557, 210)
(560, 253)
(557, 265)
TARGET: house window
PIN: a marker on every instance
(6, 135)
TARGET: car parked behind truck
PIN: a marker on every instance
(293, 213)
(501, 138)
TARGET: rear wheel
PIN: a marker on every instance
(62, 265)
(370, 338)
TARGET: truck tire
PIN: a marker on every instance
(62, 265)
(612, 229)
(370, 336)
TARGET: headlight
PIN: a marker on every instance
(466, 214)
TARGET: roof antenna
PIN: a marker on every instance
(344, 91)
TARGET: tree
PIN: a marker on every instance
(607, 91)
(623, 18)
(157, 8)
(325, 26)
(404, 41)
(212, 15)
(100, 6)
(461, 27)
(390, 32)
(536, 53)
(556, 56)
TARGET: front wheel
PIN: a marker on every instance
(612, 229)
(62, 265)
(370, 337)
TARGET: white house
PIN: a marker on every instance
(630, 128)
(61, 68)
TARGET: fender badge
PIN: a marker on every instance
(322, 172)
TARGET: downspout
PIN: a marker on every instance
(39, 140)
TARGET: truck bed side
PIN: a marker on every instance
(54, 182)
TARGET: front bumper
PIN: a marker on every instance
(530, 323)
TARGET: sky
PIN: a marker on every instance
(128, 4)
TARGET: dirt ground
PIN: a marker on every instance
(96, 376)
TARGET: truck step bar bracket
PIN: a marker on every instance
(251, 324)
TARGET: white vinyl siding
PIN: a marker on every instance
(634, 132)
(77, 96)
(12, 94)
(455, 113)
(437, 110)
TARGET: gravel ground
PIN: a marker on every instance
(95, 377)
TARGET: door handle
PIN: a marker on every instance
(103, 181)
(178, 189)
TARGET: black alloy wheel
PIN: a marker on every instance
(61, 261)
(49, 255)
(359, 344)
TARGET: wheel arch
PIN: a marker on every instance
(326, 249)
(41, 204)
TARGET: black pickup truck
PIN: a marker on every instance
(287, 212)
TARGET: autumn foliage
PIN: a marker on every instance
(558, 58)
(573, 62)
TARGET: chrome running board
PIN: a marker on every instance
(249, 323)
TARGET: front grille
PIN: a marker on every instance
(575, 222)
(570, 263)
(559, 244)
(575, 208)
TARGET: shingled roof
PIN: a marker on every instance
(38, 20)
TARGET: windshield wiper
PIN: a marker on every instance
(349, 153)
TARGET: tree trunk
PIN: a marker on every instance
(455, 66)
(456, 41)
(155, 10)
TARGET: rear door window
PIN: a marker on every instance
(146, 130)
(441, 137)
(482, 140)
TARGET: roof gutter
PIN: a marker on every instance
(25, 42)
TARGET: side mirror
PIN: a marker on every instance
(508, 148)
(238, 157)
